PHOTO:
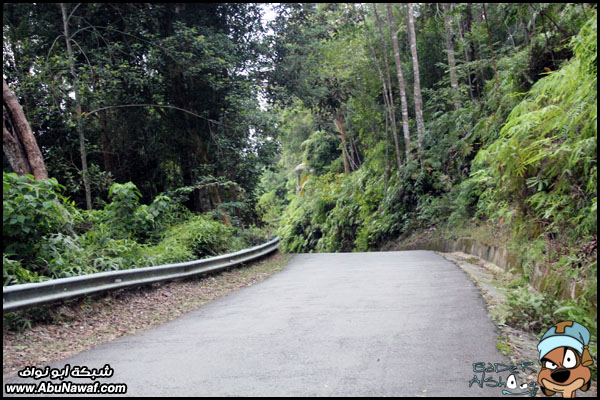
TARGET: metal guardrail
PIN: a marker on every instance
(32, 294)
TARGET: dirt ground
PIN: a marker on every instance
(519, 345)
(71, 327)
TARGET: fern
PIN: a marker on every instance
(544, 161)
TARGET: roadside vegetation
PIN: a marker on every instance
(130, 141)
(170, 132)
(47, 237)
(508, 156)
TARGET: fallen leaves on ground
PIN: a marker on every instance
(81, 324)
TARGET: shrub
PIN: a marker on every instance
(30, 210)
(198, 237)
(13, 272)
(40, 242)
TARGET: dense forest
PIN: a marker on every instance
(168, 132)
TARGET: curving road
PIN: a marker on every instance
(346, 324)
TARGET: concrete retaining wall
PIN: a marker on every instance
(541, 278)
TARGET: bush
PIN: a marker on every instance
(30, 210)
(198, 237)
(269, 208)
(125, 218)
(40, 241)
(13, 272)
(320, 150)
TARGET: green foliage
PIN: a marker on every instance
(269, 208)
(535, 311)
(544, 163)
(197, 64)
(30, 210)
(124, 204)
(301, 227)
(320, 150)
(64, 256)
(338, 213)
(40, 244)
(585, 46)
(198, 237)
(126, 218)
(253, 236)
(13, 272)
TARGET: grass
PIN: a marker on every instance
(503, 347)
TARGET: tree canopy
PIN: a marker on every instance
(168, 92)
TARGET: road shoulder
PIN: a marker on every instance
(517, 344)
(78, 325)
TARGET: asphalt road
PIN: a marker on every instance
(347, 324)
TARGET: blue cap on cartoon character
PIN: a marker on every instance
(565, 359)
(575, 336)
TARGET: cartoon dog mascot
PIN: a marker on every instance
(565, 359)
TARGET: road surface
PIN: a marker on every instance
(346, 324)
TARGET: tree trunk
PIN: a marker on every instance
(386, 169)
(107, 153)
(450, 50)
(339, 122)
(82, 151)
(213, 190)
(468, 21)
(401, 83)
(386, 99)
(18, 142)
(467, 60)
(489, 34)
(418, 99)
(13, 150)
(217, 199)
(357, 161)
(532, 21)
(389, 86)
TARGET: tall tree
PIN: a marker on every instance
(464, 46)
(82, 150)
(312, 64)
(204, 58)
(489, 34)
(18, 142)
(475, 82)
(450, 49)
(389, 87)
(339, 123)
(417, 84)
(401, 83)
(386, 99)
